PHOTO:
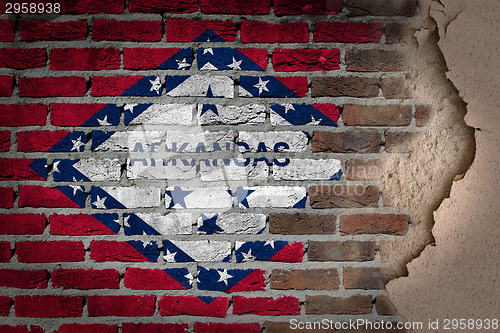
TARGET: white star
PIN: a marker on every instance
(189, 276)
(155, 85)
(130, 107)
(271, 243)
(224, 276)
(144, 244)
(116, 221)
(125, 221)
(56, 165)
(77, 144)
(144, 233)
(235, 65)
(182, 64)
(103, 122)
(288, 107)
(247, 256)
(314, 121)
(76, 189)
(99, 203)
(262, 85)
(74, 178)
(210, 50)
(169, 257)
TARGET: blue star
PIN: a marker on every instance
(210, 225)
(242, 194)
(209, 107)
(209, 92)
(177, 196)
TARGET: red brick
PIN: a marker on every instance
(24, 279)
(314, 279)
(301, 224)
(370, 329)
(20, 328)
(33, 141)
(384, 306)
(22, 224)
(91, 59)
(395, 87)
(17, 169)
(227, 328)
(5, 303)
(377, 115)
(5, 251)
(363, 278)
(112, 85)
(193, 306)
(43, 30)
(15, 115)
(154, 328)
(87, 328)
(263, 32)
(297, 84)
(266, 306)
(345, 86)
(422, 115)
(300, 7)
(346, 142)
(400, 142)
(161, 6)
(6, 197)
(149, 279)
(77, 225)
(122, 306)
(347, 32)
(72, 114)
(374, 60)
(92, 6)
(38, 196)
(102, 251)
(133, 31)
(18, 58)
(291, 60)
(86, 279)
(7, 30)
(344, 196)
(143, 58)
(63, 86)
(48, 306)
(363, 170)
(6, 85)
(374, 224)
(381, 7)
(4, 143)
(244, 7)
(181, 30)
(56, 251)
(341, 251)
(354, 305)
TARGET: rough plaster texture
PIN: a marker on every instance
(457, 277)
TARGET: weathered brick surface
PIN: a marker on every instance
(347, 32)
(374, 224)
(374, 60)
(344, 196)
(346, 142)
(345, 86)
(136, 31)
(121, 306)
(341, 251)
(353, 305)
(48, 306)
(156, 154)
(263, 32)
(298, 223)
(315, 279)
(54, 31)
(377, 115)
